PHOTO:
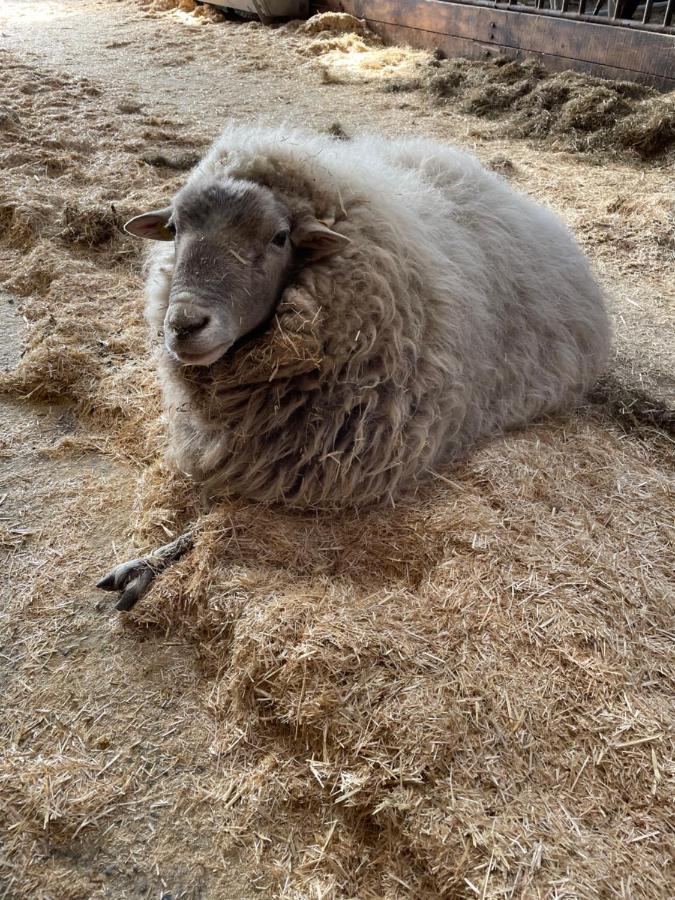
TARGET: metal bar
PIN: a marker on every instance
(540, 10)
(565, 4)
(582, 7)
(668, 14)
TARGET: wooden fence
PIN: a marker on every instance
(562, 35)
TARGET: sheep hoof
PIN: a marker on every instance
(133, 579)
(136, 589)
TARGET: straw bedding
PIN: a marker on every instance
(567, 108)
(471, 686)
(468, 694)
(201, 12)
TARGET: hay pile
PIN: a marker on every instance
(200, 12)
(349, 53)
(587, 113)
(572, 110)
(467, 695)
(328, 24)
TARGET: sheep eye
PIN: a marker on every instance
(280, 238)
(171, 228)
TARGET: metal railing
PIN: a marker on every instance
(651, 15)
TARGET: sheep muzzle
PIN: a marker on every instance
(193, 335)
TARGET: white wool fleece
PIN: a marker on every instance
(460, 308)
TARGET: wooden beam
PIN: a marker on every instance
(460, 29)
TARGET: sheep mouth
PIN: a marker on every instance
(201, 359)
(222, 351)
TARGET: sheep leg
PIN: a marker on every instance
(132, 579)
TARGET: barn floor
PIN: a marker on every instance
(162, 757)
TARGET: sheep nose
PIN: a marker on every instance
(185, 320)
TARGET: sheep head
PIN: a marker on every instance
(237, 246)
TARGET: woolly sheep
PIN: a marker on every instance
(342, 317)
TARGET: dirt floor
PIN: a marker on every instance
(256, 727)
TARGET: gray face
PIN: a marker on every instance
(233, 258)
(235, 249)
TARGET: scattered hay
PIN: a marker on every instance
(90, 227)
(349, 52)
(490, 98)
(634, 410)
(164, 5)
(584, 112)
(335, 34)
(331, 23)
(329, 77)
(47, 793)
(401, 85)
(180, 162)
(129, 107)
(590, 110)
(441, 689)
(22, 220)
(202, 12)
(346, 43)
(501, 163)
(9, 120)
(627, 221)
(445, 84)
(468, 694)
(208, 14)
(63, 249)
(650, 130)
(350, 65)
(580, 111)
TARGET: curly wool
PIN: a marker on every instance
(459, 309)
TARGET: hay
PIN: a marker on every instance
(200, 12)
(346, 43)
(349, 53)
(346, 63)
(584, 112)
(335, 34)
(650, 130)
(633, 409)
(401, 85)
(450, 689)
(181, 162)
(90, 227)
(332, 23)
(501, 163)
(488, 99)
(579, 111)
(467, 695)
(63, 247)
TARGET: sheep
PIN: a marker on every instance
(339, 318)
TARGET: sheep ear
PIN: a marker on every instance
(151, 225)
(318, 239)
